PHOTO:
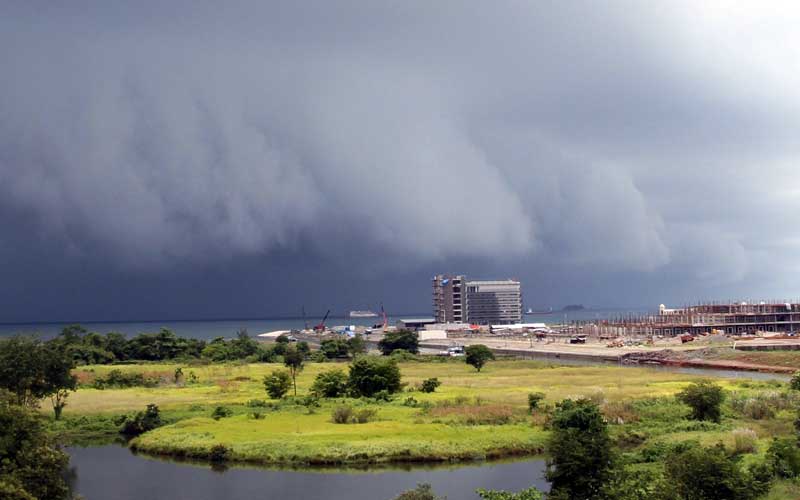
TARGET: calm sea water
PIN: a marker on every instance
(209, 329)
(114, 472)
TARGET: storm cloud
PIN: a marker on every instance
(243, 160)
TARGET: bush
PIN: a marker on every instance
(411, 401)
(341, 415)
(700, 473)
(744, 441)
(370, 375)
(256, 403)
(421, 492)
(119, 379)
(334, 348)
(477, 355)
(430, 384)
(257, 415)
(783, 458)
(528, 494)
(219, 453)
(365, 415)
(534, 398)
(277, 383)
(794, 383)
(330, 384)
(401, 339)
(704, 398)
(221, 412)
(310, 401)
(140, 422)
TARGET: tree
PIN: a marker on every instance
(581, 459)
(293, 359)
(477, 355)
(330, 384)
(430, 384)
(704, 398)
(700, 473)
(356, 346)
(277, 383)
(333, 348)
(30, 466)
(243, 345)
(401, 339)
(140, 422)
(33, 370)
(59, 380)
(783, 457)
(370, 375)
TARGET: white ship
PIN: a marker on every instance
(363, 314)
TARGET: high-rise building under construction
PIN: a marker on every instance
(457, 300)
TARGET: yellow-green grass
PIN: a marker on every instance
(289, 435)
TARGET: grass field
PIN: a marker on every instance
(472, 415)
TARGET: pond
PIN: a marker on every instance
(112, 471)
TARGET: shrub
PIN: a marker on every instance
(410, 401)
(277, 383)
(794, 383)
(370, 375)
(528, 494)
(783, 458)
(256, 403)
(257, 415)
(140, 422)
(219, 453)
(365, 415)
(221, 412)
(709, 473)
(341, 414)
(311, 402)
(330, 384)
(534, 398)
(430, 384)
(421, 492)
(119, 379)
(744, 441)
(334, 348)
(382, 396)
(401, 339)
(477, 355)
(704, 398)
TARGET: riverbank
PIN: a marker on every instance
(472, 415)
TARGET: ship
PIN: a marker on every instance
(532, 312)
(363, 314)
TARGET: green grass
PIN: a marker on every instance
(471, 416)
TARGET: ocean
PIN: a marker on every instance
(209, 329)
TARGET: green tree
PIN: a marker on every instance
(277, 383)
(430, 384)
(477, 355)
(243, 345)
(59, 380)
(401, 339)
(333, 348)
(783, 457)
(700, 473)
(704, 398)
(293, 359)
(579, 447)
(140, 422)
(370, 375)
(30, 466)
(330, 384)
(356, 346)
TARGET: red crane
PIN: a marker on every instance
(321, 326)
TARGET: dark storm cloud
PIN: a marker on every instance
(617, 152)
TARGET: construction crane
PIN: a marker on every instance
(321, 326)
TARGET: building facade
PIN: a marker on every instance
(495, 302)
(448, 299)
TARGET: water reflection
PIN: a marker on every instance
(114, 472)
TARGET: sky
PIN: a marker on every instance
(166, 160)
